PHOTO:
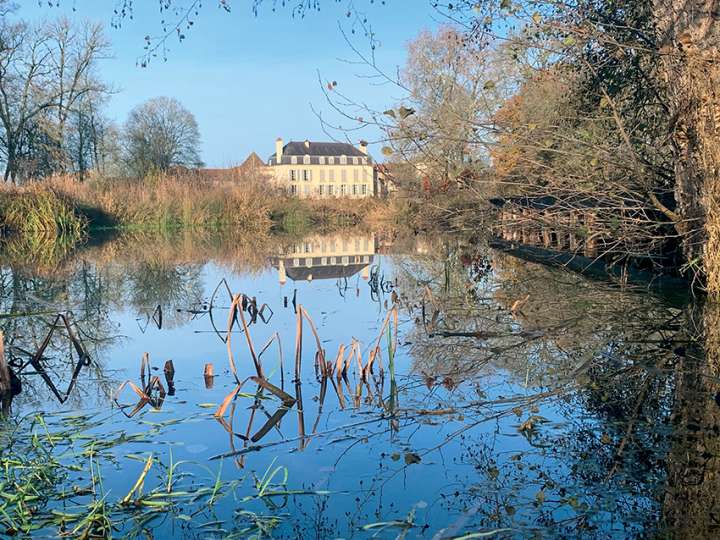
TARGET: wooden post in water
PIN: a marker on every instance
(546, 236)
(209, 376)
(590, 241)
(572, 237)
(6, 383)
(4, 371)
(169, 371)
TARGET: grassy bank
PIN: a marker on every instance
(39, 217)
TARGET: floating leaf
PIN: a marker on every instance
(387, 151)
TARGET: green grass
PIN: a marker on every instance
(56, 474)
(40, 213)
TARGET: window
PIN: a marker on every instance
(293, 175)
(321, 189)
(343, 175)
(331, 174)
(307, 175)
(293, 160)
(306, 190)
(321, 160)
(354, 189)
(356, 175)
(331, 190)
(293, 189)
(343, 190)
(322, 175)
(331, 160)
(343, 160)
(365, 175)
(306, 160)
(364, 161)
(363, 189)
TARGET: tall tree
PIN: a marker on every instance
(45, 70)
(160, 134)
(689, 44)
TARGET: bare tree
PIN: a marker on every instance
(160, 134)
(73, 55)
(44, 72)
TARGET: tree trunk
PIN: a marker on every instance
(689, 36)
(691, 505)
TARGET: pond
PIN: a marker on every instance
(350, 385)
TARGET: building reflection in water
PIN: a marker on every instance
(326, 257)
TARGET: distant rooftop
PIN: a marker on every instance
(253, 162)
(299, 148)
(318, 149)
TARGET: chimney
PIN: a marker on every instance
(278, 150)
(307, 143)
(363, 147)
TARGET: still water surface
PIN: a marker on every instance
(520, 401)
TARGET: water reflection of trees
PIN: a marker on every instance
(100, 280)
(30, 305)
(637, 381)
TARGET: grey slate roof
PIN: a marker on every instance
(317, 149)
(334, 271)
(298, 148)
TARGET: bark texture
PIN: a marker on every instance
(691, 507)
(689, 32)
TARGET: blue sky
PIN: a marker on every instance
(248, 79)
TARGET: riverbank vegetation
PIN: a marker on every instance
(42, 221)
(604, 111)
(599, 109)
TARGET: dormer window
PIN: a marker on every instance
(331, 160)
(306, 160)
(293, 160)
(343, 160)
(321, 160)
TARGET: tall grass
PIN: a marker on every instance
(45, 219)
(166, 202)
(40, 211)
(298, 216)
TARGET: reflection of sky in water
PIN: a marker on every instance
(358, 457)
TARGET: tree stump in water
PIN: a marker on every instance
(209, 376)
(9, 382)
